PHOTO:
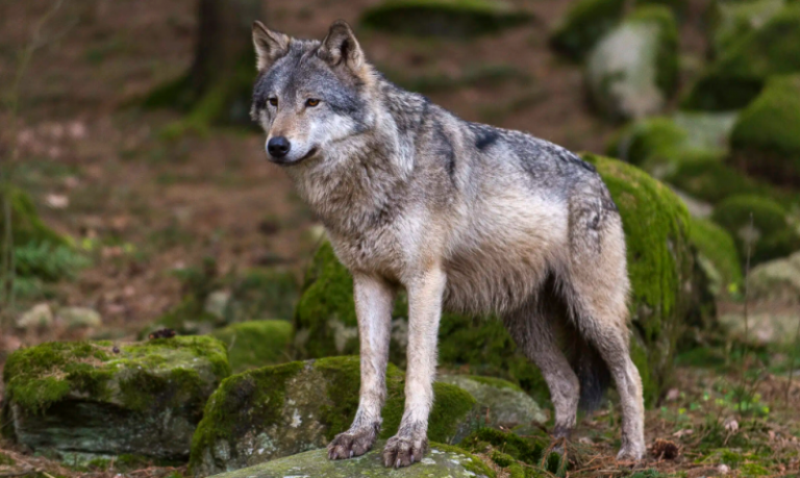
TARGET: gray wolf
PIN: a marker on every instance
(464, 216)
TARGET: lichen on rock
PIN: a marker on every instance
(97, 397)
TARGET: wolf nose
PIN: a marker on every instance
(279, 147)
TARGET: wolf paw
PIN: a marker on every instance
(631, 453)
(354, 442)
(402, 451)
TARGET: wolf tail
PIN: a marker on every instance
(592, 371)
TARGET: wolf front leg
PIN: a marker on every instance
(424, 310)
(374, 299)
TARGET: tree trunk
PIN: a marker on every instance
(218, 86)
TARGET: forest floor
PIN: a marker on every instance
(99, 171)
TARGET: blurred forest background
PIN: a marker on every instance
(135, 194)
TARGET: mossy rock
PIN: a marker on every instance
(272, 412)
(521, 453)
(633, 70)
(736, 78)
(777, 281)
(770, 236)
(505, 405)
(730, 21)
(672, 139)
(447, 18)
(441, 462)
(766, 139)
(587, 21)
(26, 225)
(705, 176)
(718, 256)
(256, 343)
(96, 397)
(326, 325)
(660, 267)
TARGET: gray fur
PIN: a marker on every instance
(466, 217)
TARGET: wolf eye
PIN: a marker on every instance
(312, 102)
(273, 101)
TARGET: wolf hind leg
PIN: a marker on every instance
(597, 292)
(534, 329)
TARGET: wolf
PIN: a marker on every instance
(465, 217)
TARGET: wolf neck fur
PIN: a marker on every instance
(359, 184)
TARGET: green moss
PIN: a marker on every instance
(528, 450)
(704, 176)
(588, 21)
(717, 255)
(642, 140)
(147, 375)
(26, 225)
(733, 20)
(740, 72)
(256, 343)
(448, 18)
(771, 236)
(255, 396)
(766, 139)
(327, 296)
(660, 263)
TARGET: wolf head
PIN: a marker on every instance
(310, 97)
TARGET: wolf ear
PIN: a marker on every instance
(270, 45)
(341, 46)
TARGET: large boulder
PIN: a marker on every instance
(661, 266)
(776, 281)
(443, 461)
(105, 399)
(506, 405)
(272, 412)
(448, 18)
(717, 256)
(766, 139)
(759, 226)
(735, 78)
(256, 343)
(633, 70)
(587, 21)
